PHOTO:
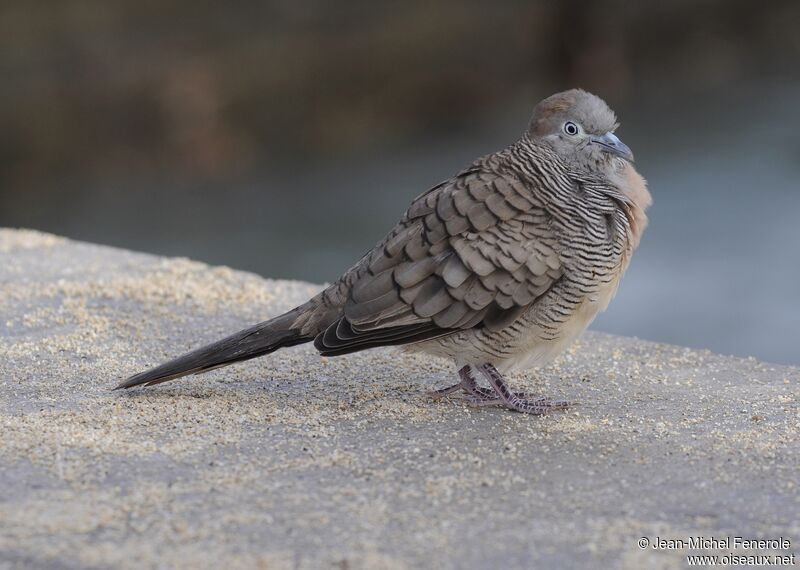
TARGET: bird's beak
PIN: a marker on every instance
(611, 143)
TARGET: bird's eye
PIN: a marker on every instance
(571, 128)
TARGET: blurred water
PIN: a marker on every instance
(718, 267)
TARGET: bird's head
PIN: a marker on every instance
(579, 127)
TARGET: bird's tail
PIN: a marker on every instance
(258, 340)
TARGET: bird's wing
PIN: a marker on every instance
(474, 251)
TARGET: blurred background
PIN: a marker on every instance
(285, 137)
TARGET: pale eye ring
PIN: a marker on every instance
(571, 128)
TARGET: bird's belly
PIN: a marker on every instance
(524, 344)
(539, 349)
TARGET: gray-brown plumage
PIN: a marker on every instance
(502, 265)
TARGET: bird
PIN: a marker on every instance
(500, 267)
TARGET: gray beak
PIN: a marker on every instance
(611, 143)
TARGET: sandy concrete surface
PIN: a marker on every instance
(293, 461)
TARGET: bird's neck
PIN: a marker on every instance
(634, 187)
(630, 187)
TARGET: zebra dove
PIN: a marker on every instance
(500, 266)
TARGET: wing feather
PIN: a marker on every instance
(474, 251)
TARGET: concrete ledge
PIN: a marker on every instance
(292, 461)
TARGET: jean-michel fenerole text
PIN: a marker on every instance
(722, 543)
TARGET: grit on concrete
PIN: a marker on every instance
(294, 461)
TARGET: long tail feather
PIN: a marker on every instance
(258, 340)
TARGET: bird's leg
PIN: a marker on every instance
(518, 401)
(470, 386)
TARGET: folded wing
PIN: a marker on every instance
(475, 251)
